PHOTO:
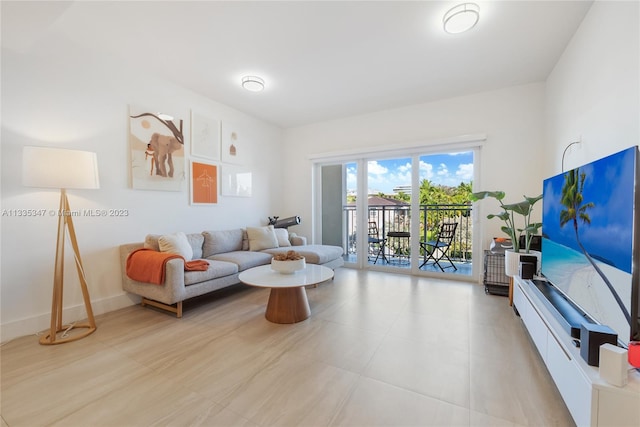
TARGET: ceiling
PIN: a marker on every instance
(320, 60)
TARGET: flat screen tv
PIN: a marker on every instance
(590, 237)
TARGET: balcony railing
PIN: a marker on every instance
(398, 219)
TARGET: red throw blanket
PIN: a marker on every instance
(147, 265)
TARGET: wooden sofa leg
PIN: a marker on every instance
(177, 309)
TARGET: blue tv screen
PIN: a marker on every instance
(589, 223)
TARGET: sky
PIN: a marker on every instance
(385, 175)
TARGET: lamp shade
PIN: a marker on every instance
(59, 168)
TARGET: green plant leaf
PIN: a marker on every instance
(480, 195)
(532, 228)
(507, 230)
(532, 200)
(503, 216)
(522, 208)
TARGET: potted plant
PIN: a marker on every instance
(509, 214)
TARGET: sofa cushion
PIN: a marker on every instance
(283, 237)
(216, 269)
(245, 240)
(262, 238)
(297, 240)
(195, 240)
(314, 254)
(176, 243)
(244, 259)
(220, 241)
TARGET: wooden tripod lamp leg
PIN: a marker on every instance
(65, 220)
(58, 280)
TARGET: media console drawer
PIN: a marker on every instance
(537, 330)
(572, 384)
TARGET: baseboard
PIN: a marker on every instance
(33, 325)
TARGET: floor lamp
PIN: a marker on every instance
(64, 169)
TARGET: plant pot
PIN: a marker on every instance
(512, 262)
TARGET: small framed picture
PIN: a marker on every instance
(236, 181)
(234, 144)
(204, 183)
(205, 136)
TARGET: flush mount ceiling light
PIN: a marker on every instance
(461, 18)
(253, 83)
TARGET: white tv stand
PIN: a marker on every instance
(590, 400)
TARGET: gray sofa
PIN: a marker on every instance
(228, 252)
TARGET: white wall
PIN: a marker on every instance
(512, 119)
(594, 89)
(56, 93)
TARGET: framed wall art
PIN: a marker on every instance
(234, 145)
(204, 183)
(205, 136)
(236, 181)
(156, 142)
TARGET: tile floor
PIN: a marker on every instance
(378, 349)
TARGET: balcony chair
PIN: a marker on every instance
(376, 243)
(437, 249)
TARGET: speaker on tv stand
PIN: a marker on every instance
(527, 270)
(528, 266)
(614, 365)
(592, 336)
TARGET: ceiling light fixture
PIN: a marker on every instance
(461, 18)
(253, 83)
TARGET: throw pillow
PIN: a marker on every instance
(245, 240)
(221, 241)
(262, 238)
(196, 240)
(151, 242)
(283, 237)
(176, 243)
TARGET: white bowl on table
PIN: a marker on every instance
(288, 266)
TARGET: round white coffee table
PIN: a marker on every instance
(288, 299)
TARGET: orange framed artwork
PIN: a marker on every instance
(204, 183)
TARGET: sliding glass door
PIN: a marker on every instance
(394, 213)
(338, 184)
(388, 207)
(445, 213)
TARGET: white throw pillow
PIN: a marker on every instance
(262, 238)
(176, 243)
(283, 237)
